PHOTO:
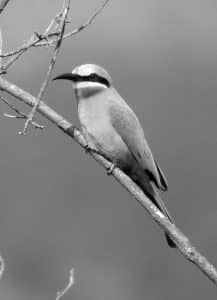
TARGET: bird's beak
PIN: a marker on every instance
(68, 76)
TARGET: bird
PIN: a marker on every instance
(112, 128)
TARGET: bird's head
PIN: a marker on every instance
(87, 80)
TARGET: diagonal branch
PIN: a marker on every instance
(2, 267)
(1, 47)
(19, 114)
(183, 244)
(49, 38)
(15, 55)
(3, 5)
(88, 22)
(51, 66)
(69, 285)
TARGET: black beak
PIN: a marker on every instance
(68, 76)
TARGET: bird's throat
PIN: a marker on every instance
(87, 89)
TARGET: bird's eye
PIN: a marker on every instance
(92, 76)
(96, 78)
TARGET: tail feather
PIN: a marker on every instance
(151, 192)
(156, 199)
(170, 242)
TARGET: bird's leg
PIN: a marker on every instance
(89, 149)
(111, 169)
(89, 144)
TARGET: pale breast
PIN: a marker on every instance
(94, 118)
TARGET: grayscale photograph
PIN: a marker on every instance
(108, 138)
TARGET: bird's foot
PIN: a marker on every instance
(111, 169)
(89, 149)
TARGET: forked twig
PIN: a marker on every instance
(17, 54)
(49, 38)
(19, 114)
(51, 66)
(88, 22)
(33, 40)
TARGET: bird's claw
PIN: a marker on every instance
(110, 169)
(88, 149)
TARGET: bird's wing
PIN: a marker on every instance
(127, 125)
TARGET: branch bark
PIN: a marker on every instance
(183, 244)
(3, 5)
(49, 38)
(1, 46)
(44, 85)
(19, 114)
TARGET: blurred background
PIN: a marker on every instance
(58, 208)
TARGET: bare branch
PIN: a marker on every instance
(88, 22)
(17, 53)
(51, 66)
(1, 47)
(2, 267)
(49, 38)
(3, 5)
(52, 25)
(70, 284)
(33, 40)
(183, 244)
(20, 114)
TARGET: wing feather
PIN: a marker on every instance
(125, 122)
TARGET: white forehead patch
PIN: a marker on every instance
(88, 69)
(84, 70)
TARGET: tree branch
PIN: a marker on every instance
(1, 47)
(3, 5)
(19, 114)
(88, 22)
(44, 85)
(69, 285)
(183, 244)
(48, 38)
(2, 267)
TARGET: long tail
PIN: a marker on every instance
(152, 193)
(156, 199)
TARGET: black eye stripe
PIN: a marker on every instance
(94, 78)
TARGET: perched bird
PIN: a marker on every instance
(111, 127)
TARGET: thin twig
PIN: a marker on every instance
(33, 40)
(183, 244)
(17, 53)
(1, 47)
(69, 285)
(51, 66)
(3, 5)
(2, 267)
(53, 24)
(47, 39)
(20, 114)
(86, 24)
(89, 20)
